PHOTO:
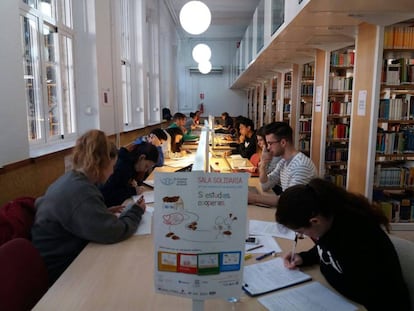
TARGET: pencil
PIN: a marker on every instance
(253, 248)
(292, 255)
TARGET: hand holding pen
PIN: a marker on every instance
(141, 203)
(292, 260)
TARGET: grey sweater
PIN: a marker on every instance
(70, 214)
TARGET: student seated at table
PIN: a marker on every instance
(156, 137)
(131, 169)
(72, 212)
(227, 126)
(355, 254)
(180, 120)
(174, 141)
(247, 145)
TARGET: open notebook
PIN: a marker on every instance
(271, 275)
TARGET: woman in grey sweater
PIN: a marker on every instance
(72, 212)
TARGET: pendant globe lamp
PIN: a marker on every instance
(204, 67)
(201, 52)
(195, 17)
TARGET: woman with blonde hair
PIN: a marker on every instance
(72, 212)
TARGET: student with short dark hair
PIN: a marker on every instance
(156, 137)
(294, 167)
(130, 171)
(72, 212)
(247, 139)
(354, 252)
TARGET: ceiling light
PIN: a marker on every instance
(201, 53)
(195, 17)
(204, 67)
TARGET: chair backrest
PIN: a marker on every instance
(16, 219)
(405, 251)
(23, 275)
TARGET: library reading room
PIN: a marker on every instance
(207, 155)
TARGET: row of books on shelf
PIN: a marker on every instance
(304, 144)
(337, 179)
(306, 90)
(343, 58)
(398, 71)
(305, 125)
(396, 176)
(340, 108)
(336, 154)
(399, 108)
(399, 37)
(340, 83)
(308, 70)
(390, 142)
(398, 211)
(337, 131)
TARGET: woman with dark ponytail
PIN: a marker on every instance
(355, 253)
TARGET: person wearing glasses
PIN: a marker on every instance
(293, 168)
(354, 252)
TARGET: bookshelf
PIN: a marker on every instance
(274, 100)
(287, 96)
(394, 161)
(306, 103)
(339, 115)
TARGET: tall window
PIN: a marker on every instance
(126, 62)
(47, 45)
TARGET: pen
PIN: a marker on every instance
(265, 255)
(253, 248)
(292, 255)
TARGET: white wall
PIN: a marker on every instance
(14, 145)
(218, 97)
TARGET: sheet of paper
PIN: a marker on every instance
(312, 296)
(146, 222)
(270, 275)
(258, 227)
(269, 244)
(179, 163)
(148, 196)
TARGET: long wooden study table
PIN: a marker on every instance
(120, 277)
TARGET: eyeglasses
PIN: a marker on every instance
(269, 143)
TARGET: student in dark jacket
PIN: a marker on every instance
(355, 254)
(247, 139)
(157, 137)
(130, 170)
(72, 212)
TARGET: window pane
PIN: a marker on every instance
(126, 92)
(31, 3)
(48, 8)
(260, 26)
(32, 78)
(278, 14)
(67, 13)
(68, 91)
(51, 59)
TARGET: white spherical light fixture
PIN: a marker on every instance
(195, 17)
(201, 53)
(204, 67)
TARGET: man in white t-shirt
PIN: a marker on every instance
(294, 167)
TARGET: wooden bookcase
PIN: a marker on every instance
(338, 121)
(306, 104)
(394, 161)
